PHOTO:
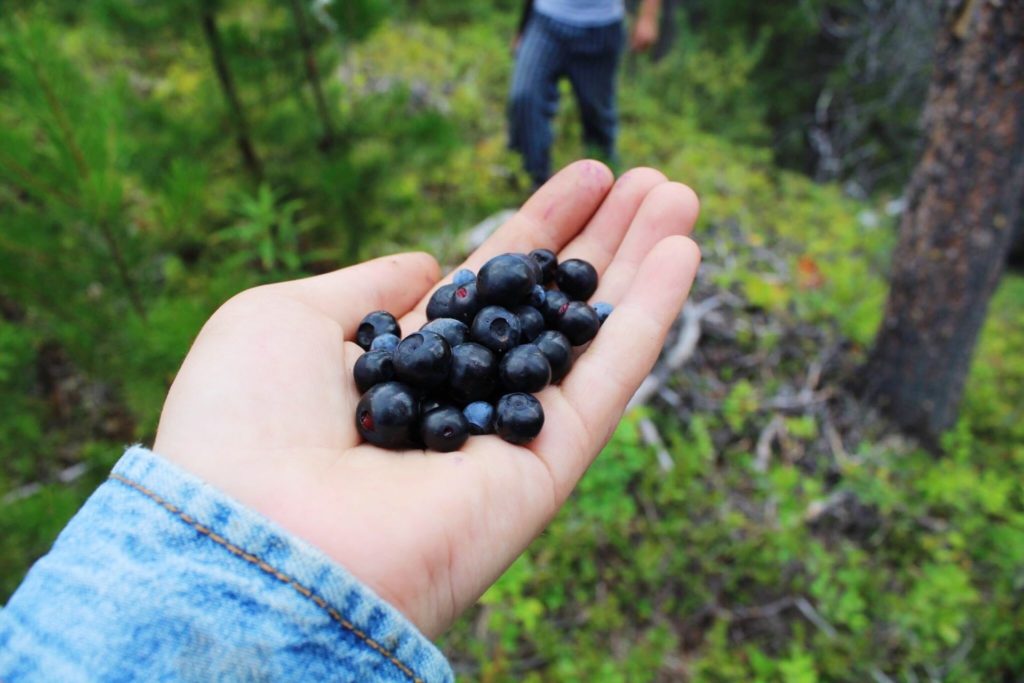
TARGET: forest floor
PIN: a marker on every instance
(751, 519)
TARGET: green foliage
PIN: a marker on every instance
(681, 565)
(268, 231)
(21, 416)
(712, 87)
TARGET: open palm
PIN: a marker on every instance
(263, 407)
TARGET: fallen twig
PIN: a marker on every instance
(679, 353)
(764, 442)
(812, 615)
(652, 437)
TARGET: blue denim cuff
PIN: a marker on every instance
(162, 577)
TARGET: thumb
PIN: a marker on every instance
(391, 283)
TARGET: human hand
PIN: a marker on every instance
(263, 406)
(645, 33)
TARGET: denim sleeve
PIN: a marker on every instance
(161, 577)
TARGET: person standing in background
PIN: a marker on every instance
(581, 40)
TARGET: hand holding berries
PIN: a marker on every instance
(265, 407)
(498, 335)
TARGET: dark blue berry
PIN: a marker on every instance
(372, 368)
(603, 310)
(480, 416)
(385, 342)
(577, 278)
(440, 303)
(496, 328)
(429, 403)
(553, 307)
(518, 418)
(537, 296)
(374, 325)
(463, 276)
(548, 263)
(506, 280)
(387, 415)
(534, 267)
(557, 349)
(465, 302)
(454, 301)
(531, 323)
(525, 368)
(454, 331)
(423, 359)
(444, 429)
(579, 323)
(474, 373)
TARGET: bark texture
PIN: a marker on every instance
(963, 203)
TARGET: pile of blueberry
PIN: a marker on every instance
(492, 340)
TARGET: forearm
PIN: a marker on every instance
(160, 576)
(649, 10)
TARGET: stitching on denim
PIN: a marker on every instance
(276, 573)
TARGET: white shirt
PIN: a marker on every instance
(582, 12)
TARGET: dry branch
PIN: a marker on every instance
(678, 353)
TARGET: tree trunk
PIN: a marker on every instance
(313, 74)
(227, 86)
(963, 201)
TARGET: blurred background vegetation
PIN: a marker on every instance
(755, 521)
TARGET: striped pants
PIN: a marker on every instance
(589, 58)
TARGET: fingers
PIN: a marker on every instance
(668, 209)
(589, 403)
(553, 215)
(601, 238)
(390, 283)
(549, 219)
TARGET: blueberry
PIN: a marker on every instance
(374, 325)
(444, 429)
(423, 359)
(531, 323)
(553, 307)
(577, 278)
(440, 303)
(474, 373)
(454, 301)
(506, 280)
(428, 404)
(525, 368)
(537, 296)
(496, 328)
(534, 267)
(372, 368)
(385, 342)
(480, 416)
(557, 349)
(518, 418)
(579, 323)
(463, 276)
(548, 263)
(465, 302)
(603, 310)
(454, 331)
(387, 415)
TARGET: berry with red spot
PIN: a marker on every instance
(387, 415)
